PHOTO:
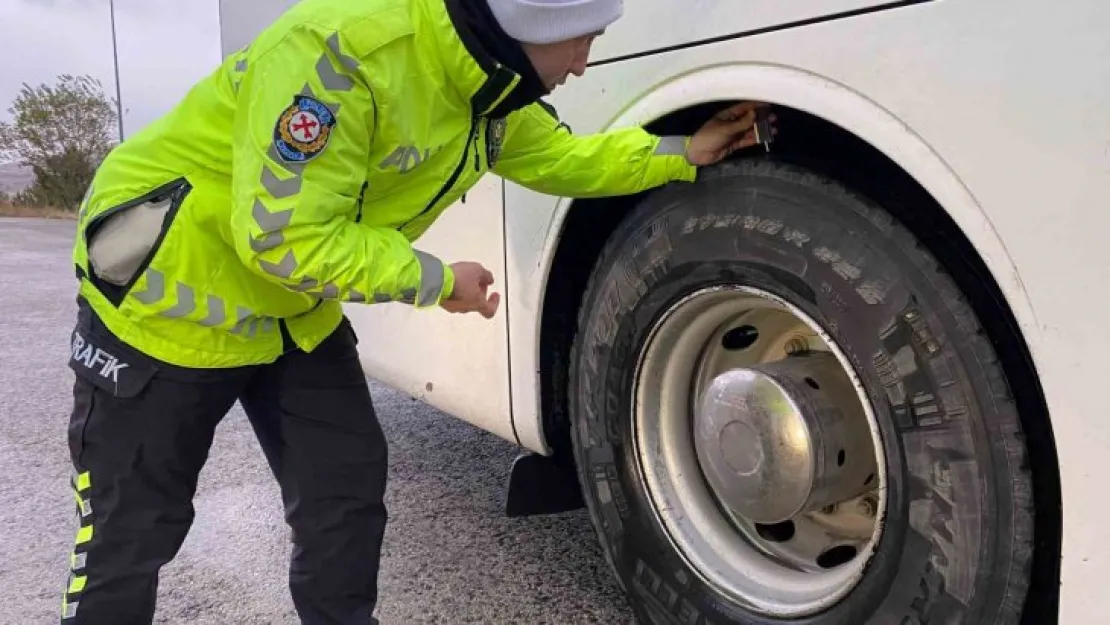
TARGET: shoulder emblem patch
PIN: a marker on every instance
(303, 129)
(495, 139)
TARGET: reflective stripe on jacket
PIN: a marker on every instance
(297, 175)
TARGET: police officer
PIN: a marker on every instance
(216, 246)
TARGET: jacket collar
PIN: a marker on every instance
(473, 73)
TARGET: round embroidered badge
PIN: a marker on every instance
(303, 129)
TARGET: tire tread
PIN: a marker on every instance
(1015, 454)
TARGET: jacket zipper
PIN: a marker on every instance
(474, 122)
(361, 197)
(477, 154)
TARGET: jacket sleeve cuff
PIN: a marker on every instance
(668, 161)
(682, 170)
(671, 152)
(448, 283)
(435, 281)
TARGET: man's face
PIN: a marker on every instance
(555, 62)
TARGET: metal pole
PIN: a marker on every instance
(115, 59)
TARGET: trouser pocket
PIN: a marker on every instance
(139, 435)
(97, 363)
(107, 390)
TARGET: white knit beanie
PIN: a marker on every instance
(548, 21)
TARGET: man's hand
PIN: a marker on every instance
(728, 131)
(472, 281)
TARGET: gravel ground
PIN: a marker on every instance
(454, 558)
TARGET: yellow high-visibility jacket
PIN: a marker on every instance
(297, 175)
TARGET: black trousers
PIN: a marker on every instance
(140, 432)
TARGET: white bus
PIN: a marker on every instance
(844, 379)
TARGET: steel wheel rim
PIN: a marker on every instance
(728, 552)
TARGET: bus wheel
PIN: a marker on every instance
(785, 411)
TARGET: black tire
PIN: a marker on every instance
(965, 557)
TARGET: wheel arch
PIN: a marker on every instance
(829, 128)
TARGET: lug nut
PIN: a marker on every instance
(796, 346)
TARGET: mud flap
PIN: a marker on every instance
(541, 485)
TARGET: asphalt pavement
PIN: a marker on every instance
(450, 556)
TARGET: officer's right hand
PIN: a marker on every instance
(472, 282)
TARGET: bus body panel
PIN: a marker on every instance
(242, 20)
(995, 113)
(998, 108)
(640, 29)
(457, 363)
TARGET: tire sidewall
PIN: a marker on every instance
(838, 260)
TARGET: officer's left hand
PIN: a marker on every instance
(471, 292)
(728, 131)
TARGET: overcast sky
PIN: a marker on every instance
(164, 47)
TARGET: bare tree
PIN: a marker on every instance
(62, 132)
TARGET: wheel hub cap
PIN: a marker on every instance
(747, 414)
(774, 442)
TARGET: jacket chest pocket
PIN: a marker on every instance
(404, 179)
(400, 168)
(405, 159)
